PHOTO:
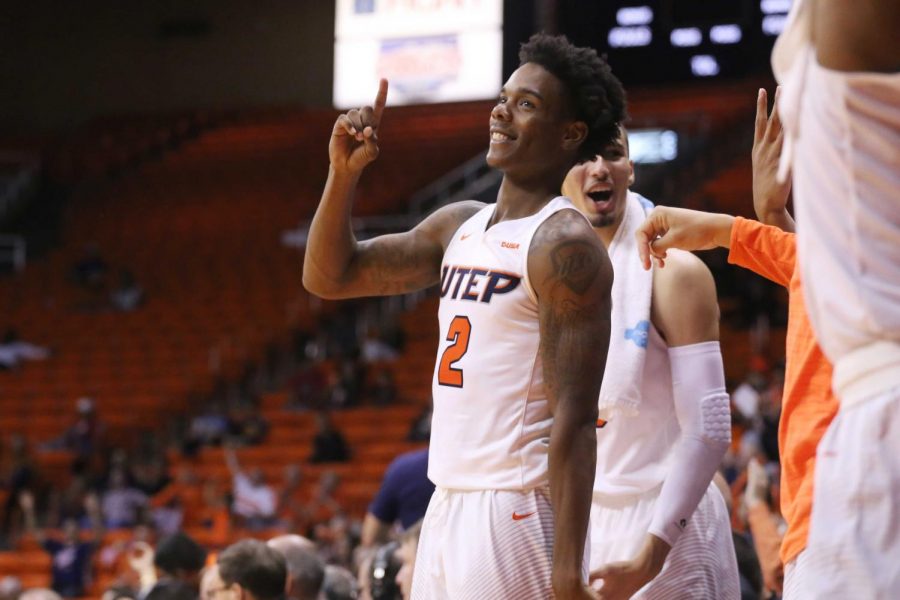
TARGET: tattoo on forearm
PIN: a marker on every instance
(576, 264)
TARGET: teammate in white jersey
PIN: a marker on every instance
(524, 322)
(839, 68)
(659, 527)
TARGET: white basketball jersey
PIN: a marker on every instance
(842, 139)
(491, 423)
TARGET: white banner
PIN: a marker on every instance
(429, 50)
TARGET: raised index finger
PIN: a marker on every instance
(380, 101)
(760, 124)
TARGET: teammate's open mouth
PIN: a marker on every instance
(600, 196)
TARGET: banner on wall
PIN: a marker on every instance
(429, 50)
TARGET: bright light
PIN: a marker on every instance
(652, 145)
(686, 36)
(775, 6)
(704, 65)
(773, 24)
(725, 34)
(634, 15)
(629, 37)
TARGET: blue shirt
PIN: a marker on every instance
(405, 490)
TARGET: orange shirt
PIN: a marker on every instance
(808, 404)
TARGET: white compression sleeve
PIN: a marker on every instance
(704, 415)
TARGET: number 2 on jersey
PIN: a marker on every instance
(458, 333)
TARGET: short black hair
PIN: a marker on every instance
(259, 569)
(179, 554)
(171, 590)
(596, 96)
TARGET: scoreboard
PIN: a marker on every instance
(657, 41)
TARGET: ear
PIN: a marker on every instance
(574, 135)
(630, 173)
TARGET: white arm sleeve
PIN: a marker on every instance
(704, 415)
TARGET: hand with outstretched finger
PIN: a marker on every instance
(770, 196)
(354, 139)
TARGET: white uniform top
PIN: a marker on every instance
(490, 429)
(843, 142)
(633, 453)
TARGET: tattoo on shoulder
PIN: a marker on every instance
(576, 263)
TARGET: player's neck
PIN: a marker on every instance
(517, 202)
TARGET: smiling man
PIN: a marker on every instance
(524, 329)
(659, 528)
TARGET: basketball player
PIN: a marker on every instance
(659, 527)
(524, 325)
(839, 66)
(808, 405)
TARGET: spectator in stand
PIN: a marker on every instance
(116, 559)
(323, 506)
(168, 506)
(85, 436)
(251, 570)
(91, 269)
(374, 349)
(381, 573)
(10, 588)
(174, 591)
(765, 525)
(306, 570)
(118, 593)
(211, 584)
(71, 558)
(39, 594)
(306, 386)
(746, 396)
(18, 475)
(14, 350)
(339, 584)
(149, 473)
(128, 294)
(247, 426)
(409, 545)
(328, 443)
(346, 385)
(403, 497)
(292, 512)
(255, 502)
(420, 429)
(383, 391)
(210, 426)
(69, 503)
(179, 561)
(122, 504)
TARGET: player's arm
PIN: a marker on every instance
(686, 312)
(336, 265)
(667, 227)
(572, 276)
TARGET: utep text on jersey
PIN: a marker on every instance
(475, 284)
